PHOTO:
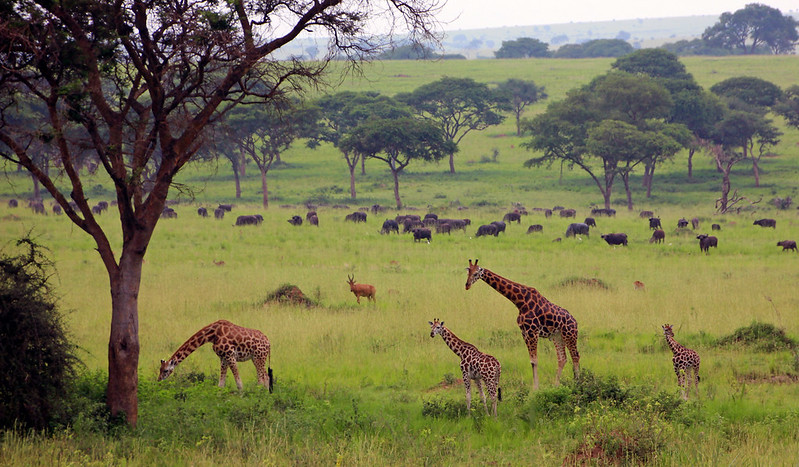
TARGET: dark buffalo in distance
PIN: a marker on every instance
(715, 227)
(788, 245)
(226, 207)
(313, 220)
(389, 225)
(401, 218)
(487, 229)
(766, 223)
(310, 214)
(356, 216)
(38, 207)
(103, 205)
(202, 212)
(500, 226)
(514, 216)
(590, 222)
(535, 228)
(615, 238)
(167, 213)
(57, 210)
(219, 213)
(646, 214)
(377, 209)
(682, 223)
(578, 228)
(603, 212)
(707, 241)
(421, 233)
(247, 220)
(657, 236)
(654, 223)
(568, 213)
(457, 224)
(295, 221)
(431, 215)
(411, 223)
(98, 210)
(695, 223)
(444, 228)
(12, 203)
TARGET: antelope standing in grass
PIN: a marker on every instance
(361, 290)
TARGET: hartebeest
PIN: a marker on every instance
(361, 290)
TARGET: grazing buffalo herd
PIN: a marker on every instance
(422, 227)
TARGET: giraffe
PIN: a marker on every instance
(538, 317)
(233, 344)
(475, 365)
(686, 362)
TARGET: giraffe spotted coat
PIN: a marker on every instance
(686, 363)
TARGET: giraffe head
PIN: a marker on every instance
(475, 273)
(436, 327)
(166, 369)
(667, 331)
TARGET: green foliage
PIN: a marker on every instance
(38, 360)
(764, 337)
(595, 48)
(754, 29)
(523, 47)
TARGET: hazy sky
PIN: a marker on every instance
(476, 14)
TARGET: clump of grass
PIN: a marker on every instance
(576, 281)
(290, 294)
(763, 336)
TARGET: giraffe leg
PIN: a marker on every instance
(223, 373)
(491, 387)
(235, 370)
(260, 370)
(468, 386)
(571, 344)
(681, 382)
(532, 348)
(560, 350)
(482, 394)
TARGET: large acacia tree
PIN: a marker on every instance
(137, 83)
(753, 27)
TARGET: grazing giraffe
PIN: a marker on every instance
(538, 317)
(233, 344)
(686, 363)
(475, 365)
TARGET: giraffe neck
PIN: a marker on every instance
(454, 343)
(674, 345)
(511, 290)
(203, 336)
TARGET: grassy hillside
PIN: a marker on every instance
(365, 384)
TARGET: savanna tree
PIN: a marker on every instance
(754, 27)
(139, 83)
(519, 94)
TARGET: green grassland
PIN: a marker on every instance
(366, 385)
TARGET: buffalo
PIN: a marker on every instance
(577, 228)
(389, 225)
(202, 212)
(57, 210)
(487, 229)
(12, 203)
(603, 212)
(514, 216)
(313, 220)
(695, 223)
(654, 223)
(167, 213)
(766, 223)
(295, 221)
(219, 213)
(707, 241)
(356, 216)
(682, 223)
(715, 227)
(226, 207)
(411, 223)
(535, 228)
(500, 226)
(420, 234)
(247, 220)
(443, 228)
(568, 213)
(646, 214)
(787, 245)
(590, 222)
(657, 236)
(615, 238)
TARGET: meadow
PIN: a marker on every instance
(366, 385)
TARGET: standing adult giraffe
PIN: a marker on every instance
(538, 317)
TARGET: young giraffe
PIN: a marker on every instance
(475, 365)
(686, 363)
(233, 344)
(538, 317)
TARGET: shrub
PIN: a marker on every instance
(763, 336)
(37, 358)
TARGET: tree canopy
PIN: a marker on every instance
(594, 49)
(752, 28)
(523, 47)
(520, 94)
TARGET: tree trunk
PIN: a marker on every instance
(37, 194)
(237, 179)
(518, 124)
(264, 188)
(691, 163)
(352, 181)
(756, 171)
(452, 163)
(123, 344)
(626, 179)
(725, 190)
(395, 174)
(363, 166)
(649, 182)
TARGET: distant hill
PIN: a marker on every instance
(650, 32)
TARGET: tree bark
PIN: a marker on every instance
(237, 179)
(756, 171)
(691, 163)
(352, 181)
(452, 163)
(263, 187)
(395, 174)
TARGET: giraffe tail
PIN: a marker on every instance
(270, 376)
(499, 394)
